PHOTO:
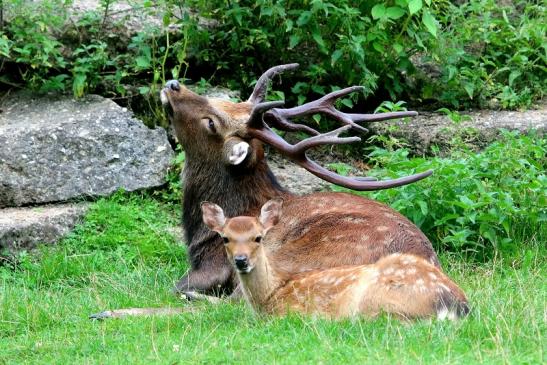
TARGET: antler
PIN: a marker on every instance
(280, 118)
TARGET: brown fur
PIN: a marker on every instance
(319, 230)
(404, 285)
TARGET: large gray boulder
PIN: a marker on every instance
(476, 129)
(24, 228)
(57, 148)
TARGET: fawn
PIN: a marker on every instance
(404, 285)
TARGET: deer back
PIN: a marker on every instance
(332, 229)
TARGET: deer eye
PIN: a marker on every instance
(211, 125)
(225, 239)
(258, 239)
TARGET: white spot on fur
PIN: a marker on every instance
(388, 271)
(382, 228)
(420, 281)
(432, 276)
(238, 153)
(411, 271)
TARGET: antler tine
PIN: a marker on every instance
(297, 153)
(381, 116)
(259, 92)
(255, 119)
(323, 105)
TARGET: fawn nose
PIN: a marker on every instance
(173, 85)
(241, 262)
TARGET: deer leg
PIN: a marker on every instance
(195, 296)
(206, 281)
(139, 312)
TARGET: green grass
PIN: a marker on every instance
(125, 255)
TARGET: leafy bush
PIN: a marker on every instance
(491, 53)
(337, 42)
(474, 202)
(481, 53)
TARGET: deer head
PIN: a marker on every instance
(242, 235)
(222, 130)
(207, 127)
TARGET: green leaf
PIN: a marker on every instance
(347, 102)
(318, 39)
(414, 6)
(430, 23)
(142, 62)
(316, 118)
(378, 11)
(78, 85)
(513, 75)
(469, 89)
(294, 40)
(397, 47)
(336, 56)
(423, 207)
(304, 18)
(394, 12)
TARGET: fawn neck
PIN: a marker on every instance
(238, 189)
(260, 284)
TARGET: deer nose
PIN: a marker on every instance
(173, 85)
(241, 262)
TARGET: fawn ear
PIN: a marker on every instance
(270, 213)
(213, 216)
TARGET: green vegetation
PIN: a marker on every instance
(432, 52)
(484, 212)
(484, 203)
(107, 263)
(125, 254)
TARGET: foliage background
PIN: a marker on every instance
(438, 53)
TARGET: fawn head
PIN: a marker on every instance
(242, 235)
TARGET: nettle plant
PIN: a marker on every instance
(490, 53)
(474, 202)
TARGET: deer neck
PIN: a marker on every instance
(261, 283)
(240, 190)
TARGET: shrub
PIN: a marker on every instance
(475, 202)
(481, 53)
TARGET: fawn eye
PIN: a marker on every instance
(225, 239)
(258, 239)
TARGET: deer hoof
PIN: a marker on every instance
(238, 153)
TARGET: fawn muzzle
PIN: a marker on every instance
(241, 263)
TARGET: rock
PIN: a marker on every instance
(295, 178)
(476, 130)
(56, 148)
(24, 228)
(131, 18)
(218, 92)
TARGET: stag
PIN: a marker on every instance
(225, 163)
(403, 285)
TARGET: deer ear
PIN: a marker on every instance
(270, 213)
(213, 216)
(235, 151)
